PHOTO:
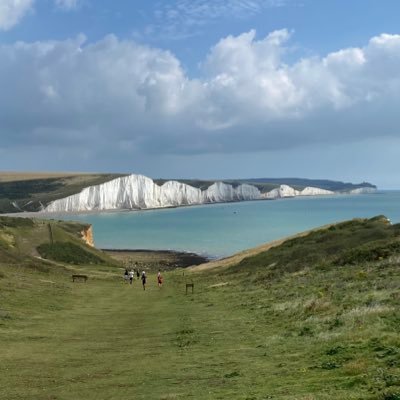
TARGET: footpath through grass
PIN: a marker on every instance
(231, 339)
(287, 324)
(108, 340)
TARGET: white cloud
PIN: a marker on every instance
(67, 5)
(117, 94)
(12, 11)
(183, 18)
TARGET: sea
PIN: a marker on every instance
(220, 230)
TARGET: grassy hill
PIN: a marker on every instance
(352, 242)
(35, 242)
(314, 318)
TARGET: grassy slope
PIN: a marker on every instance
(307, 330)
(25, 240)
(335, 245)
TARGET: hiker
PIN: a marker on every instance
(126, 277)
(131, 275)
(159, 279)
(144, 280)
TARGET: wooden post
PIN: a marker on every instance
(51, 234)
(188, 285)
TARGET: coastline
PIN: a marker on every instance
(59, 214)
(156, 259)
(236, 258)
(188, 255)
(54, 215)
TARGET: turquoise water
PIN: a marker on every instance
(219, 230)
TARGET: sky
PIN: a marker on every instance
(208, 89)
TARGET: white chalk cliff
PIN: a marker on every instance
(363, 190)
(140, 192)
(281, 192)
(287, 191)
(313, 191)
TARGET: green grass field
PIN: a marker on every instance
(314, 328)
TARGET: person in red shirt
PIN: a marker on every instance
(159, 279)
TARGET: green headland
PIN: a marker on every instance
(313, 317)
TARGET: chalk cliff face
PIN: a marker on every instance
(363, 190)
(313, 191)
(140, 192)
(287, 191)
(220, 192)
(281, 192)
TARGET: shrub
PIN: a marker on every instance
(330, 365)
(374, 251)
(390, 396)
(306, 331)
(334, 350)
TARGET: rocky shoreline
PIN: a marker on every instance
(153, 260)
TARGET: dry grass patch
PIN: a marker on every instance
(28, 176)
(363, 311)
(356, 367)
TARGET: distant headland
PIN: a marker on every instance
(64, 192)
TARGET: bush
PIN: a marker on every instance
(330, 365)
(306, 331)
(390, 396)
(374, 251)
